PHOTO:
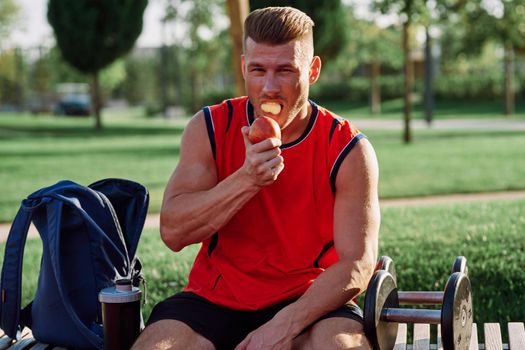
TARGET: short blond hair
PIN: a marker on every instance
(277, 25)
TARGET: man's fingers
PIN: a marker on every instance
(244, 344)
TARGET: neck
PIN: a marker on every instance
(296, 125)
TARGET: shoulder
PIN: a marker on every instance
(338, 126)
(359, 167)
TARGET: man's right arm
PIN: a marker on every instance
(195, 204)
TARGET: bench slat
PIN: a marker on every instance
(474, 338)
(439, 342)
(5, 342)
(493, 336)
(421, 336)
(401, 340)
(516, 335)
(23, 343)
(39, 346)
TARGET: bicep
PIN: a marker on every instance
(356, 210)
(196, 170)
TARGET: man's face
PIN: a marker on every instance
(279, 74)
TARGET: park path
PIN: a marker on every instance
(152, 220)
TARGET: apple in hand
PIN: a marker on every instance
(263, 128)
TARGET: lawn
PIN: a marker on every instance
(393, 109)
(39, 151)
(422, 241)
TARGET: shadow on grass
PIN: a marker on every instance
(135, 152)
(10, 132)
(443, 109)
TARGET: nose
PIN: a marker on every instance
(271, 85)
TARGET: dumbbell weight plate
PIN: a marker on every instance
(457, 313)
(386, 263)
(381, 293)
(460, 265)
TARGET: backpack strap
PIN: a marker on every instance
(55, 210)
(11, 280)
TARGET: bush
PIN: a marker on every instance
(214, 96)
(481, 86)
(356, 89)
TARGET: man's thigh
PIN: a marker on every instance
(198, 318)
(173, 335)
(333, 333)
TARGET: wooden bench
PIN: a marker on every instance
(421, 335)
(492, 331)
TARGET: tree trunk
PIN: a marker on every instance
(164, 79)
(237, 11)
(95, 95)
(429, 78)
(407, 134)
(194, 91)
(509, 93)
(375, 88)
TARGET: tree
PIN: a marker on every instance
(412, 12)
(202, 46)
(330, 22)
(93, 34)
(502, 23)
(237, 11)
(374, 47)
(9, 12)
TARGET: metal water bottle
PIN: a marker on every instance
(121, 315)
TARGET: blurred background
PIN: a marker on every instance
(450, 50)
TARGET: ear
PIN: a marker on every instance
(243, 67)
(315, 69)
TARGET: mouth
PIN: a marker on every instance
(272, 108)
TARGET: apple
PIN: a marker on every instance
(263, 128)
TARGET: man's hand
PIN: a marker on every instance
(267, 337)
(263, 162)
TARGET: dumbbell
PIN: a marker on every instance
(382, 312)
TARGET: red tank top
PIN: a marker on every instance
(282, 239)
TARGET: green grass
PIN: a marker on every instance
(393, 109)
(422, 241)
(39, 151)
(443, 162)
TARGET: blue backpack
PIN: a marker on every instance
(89, 239)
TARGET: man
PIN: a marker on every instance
(289, 227)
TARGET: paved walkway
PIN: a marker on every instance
(152, 220)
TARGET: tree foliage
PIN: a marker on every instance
(9, 12)
(203, 53)
(91, 34)
(330, 22)
(503, 23)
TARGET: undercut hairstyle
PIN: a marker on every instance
(277, 25)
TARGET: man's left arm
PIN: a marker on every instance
(356, 231)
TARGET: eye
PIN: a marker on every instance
(287, 70)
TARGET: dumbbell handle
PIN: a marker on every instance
(418, 298)
(411, 315)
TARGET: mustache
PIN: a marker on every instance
(273, 97)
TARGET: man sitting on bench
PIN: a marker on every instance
(289, 227)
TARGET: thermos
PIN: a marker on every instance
(121, 315)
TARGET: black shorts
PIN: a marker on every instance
(224, 327)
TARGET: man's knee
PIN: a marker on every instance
(173, 335)
(334, 333)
